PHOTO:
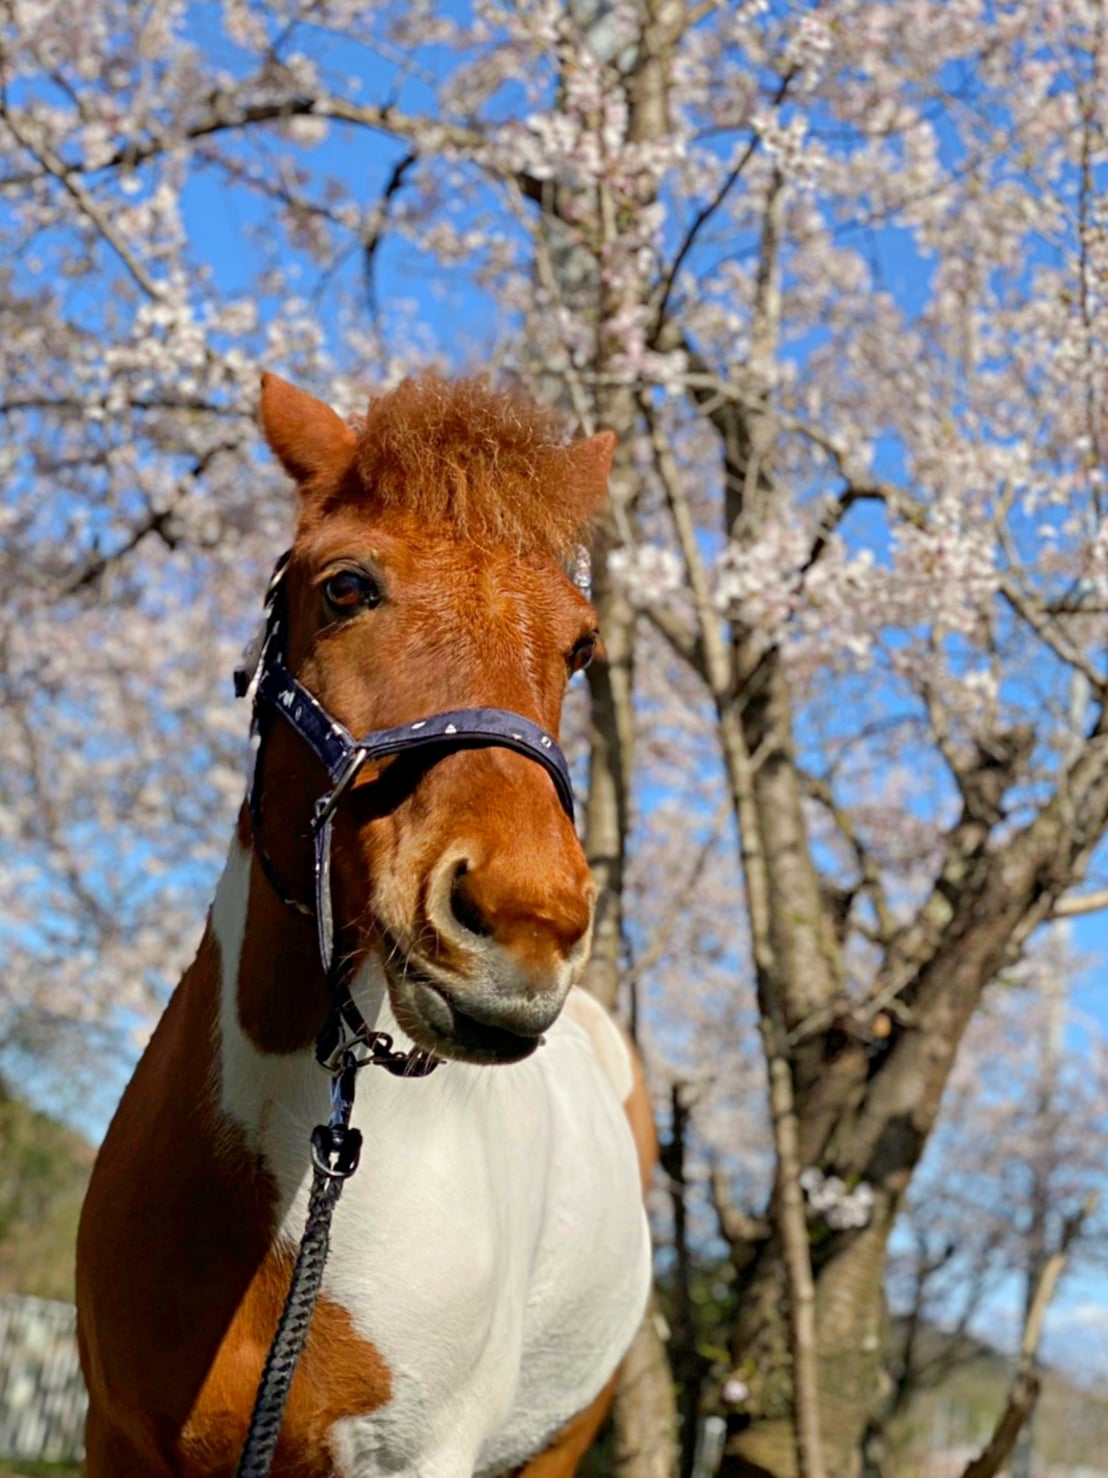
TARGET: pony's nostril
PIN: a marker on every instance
(464, 906)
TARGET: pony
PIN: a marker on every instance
(490, 1259)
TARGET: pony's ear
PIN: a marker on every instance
(307, 436)
(591, 464)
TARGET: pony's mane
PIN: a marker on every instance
(495, 467)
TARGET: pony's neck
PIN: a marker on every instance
(277, 979)
(273, 996)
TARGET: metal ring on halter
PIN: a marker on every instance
(327, 803)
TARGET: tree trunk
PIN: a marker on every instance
(986, 901)
(850, 1317)
(645, 1411)
(645, 1428)
(607, 809)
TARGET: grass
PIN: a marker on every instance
(39, 1470)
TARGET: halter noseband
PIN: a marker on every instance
(342, 756)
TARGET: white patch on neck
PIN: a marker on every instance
(259, 1091)
(492, 1246)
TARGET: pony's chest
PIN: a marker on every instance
(492, 1250)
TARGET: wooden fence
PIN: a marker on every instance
(42, 1395)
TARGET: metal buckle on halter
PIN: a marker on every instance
(327, 803)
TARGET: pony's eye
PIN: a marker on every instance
(583, 653)
(352, 590)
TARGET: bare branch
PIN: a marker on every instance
(820, 790)
(743, 1234)
(708, 210)
(552, 286)
(940, 728)
(372, 241)
(717, 666)
(226, 113)
(1022, 1396)
(80, 406)
(1024, 1390)
(157, 522)
(684, 642)
(1077, 904)
(793, 1223)
(1031, 613)
(53, 166)
(1049, 1275)
(788, 1196)
(93, 572)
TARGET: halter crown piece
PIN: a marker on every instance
(265, 673)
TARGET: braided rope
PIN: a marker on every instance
(292, 1329)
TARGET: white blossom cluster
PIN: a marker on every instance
(649, 573)
(798, 158)
(758, 582)
(828, 1197)
(1098, 560)
(734, 1391)
(948, 567)
(808, 49)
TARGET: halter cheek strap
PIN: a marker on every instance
(276, 690)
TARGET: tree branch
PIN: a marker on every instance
(983, 784)
(743, 1234)
(156, 522)
(372, 241)
(820, 790)
(1029, 612)
(1076, 904)
(134, 403)
(1022, 1396)
(705, 213)
(225, 113)
(53, 166)
(788, 1195)
(1024, 1390)
(684, 642)
(792, 1220)
(980, 910)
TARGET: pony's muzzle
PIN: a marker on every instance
(530, 927)
(453, 1024)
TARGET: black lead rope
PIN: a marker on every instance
(346, 1042)
(335, 1151)
(292, 1331)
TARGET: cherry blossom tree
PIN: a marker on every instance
(988, 1210)
(835, 275)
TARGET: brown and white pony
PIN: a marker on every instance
(490, 1258)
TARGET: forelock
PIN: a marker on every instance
(495, 468)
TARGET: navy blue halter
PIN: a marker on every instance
(276, 690)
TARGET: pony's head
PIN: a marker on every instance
(428, 574)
